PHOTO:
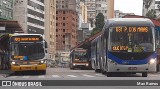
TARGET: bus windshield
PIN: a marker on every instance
(33, 51)
(131, 39)
(81, 57)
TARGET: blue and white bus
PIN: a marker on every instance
(125, 45)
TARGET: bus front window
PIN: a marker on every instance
(81, 57)
(33, 51)
(126, 39)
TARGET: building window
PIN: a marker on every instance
(63, 30)
(64, 18)
(56, 30)
(66, 6)
(63, 36)
(56, 12)
(64, 12)
(56, 24)
(56, 18)
(62, 6)
(63, 24)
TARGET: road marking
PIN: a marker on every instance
(87, 75)
(12, 77)
(71, 75)
(153, 75)
(55, 76)
(100, 75)
(25, 77)
(42, 76)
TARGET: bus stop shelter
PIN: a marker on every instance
(6, 28)
(10, 27)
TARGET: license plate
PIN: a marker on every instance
(25, 63)
(27, 67)
(132, 68)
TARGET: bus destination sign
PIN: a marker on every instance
(131, 29)
(26, 39)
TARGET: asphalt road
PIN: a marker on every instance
(67, 74)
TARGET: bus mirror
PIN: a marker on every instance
(158, 46)
(46, 45)
(46, 51)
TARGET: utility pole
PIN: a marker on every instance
(110, 9)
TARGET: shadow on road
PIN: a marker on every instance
(125, 75)
(26, 73)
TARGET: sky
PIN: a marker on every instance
(129, 6)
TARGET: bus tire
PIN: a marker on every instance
(109, 74)
(96, 70)
(103, 72)
(43, 72)
(145, 74)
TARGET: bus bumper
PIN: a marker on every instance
(28, 67)
(132, 68)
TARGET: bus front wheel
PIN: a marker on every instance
(109, 74)
(43, 72)
(145, 74)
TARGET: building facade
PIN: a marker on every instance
(6, 9)
(152, 6)
(147, 6)
(66, 24)
(50, 27)
(30, 15)
(83, 33)
(101, 7)
(83, 12)
(91, 9)
(120, 14)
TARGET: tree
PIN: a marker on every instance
(151, 14)
(99, 23)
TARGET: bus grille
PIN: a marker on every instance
(132, 56)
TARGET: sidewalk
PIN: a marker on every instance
(5, 72)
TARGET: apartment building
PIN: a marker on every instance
(66, 24)
(50, 27)
(6, 9)
(30, 15)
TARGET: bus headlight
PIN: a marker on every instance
(152, 61)
(74, 64)
(13, 63)
(42, 61)
(86, 64)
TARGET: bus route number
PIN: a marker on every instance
(119, 48)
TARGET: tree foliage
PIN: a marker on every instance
(99, 23)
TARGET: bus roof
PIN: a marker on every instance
(128, 22)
